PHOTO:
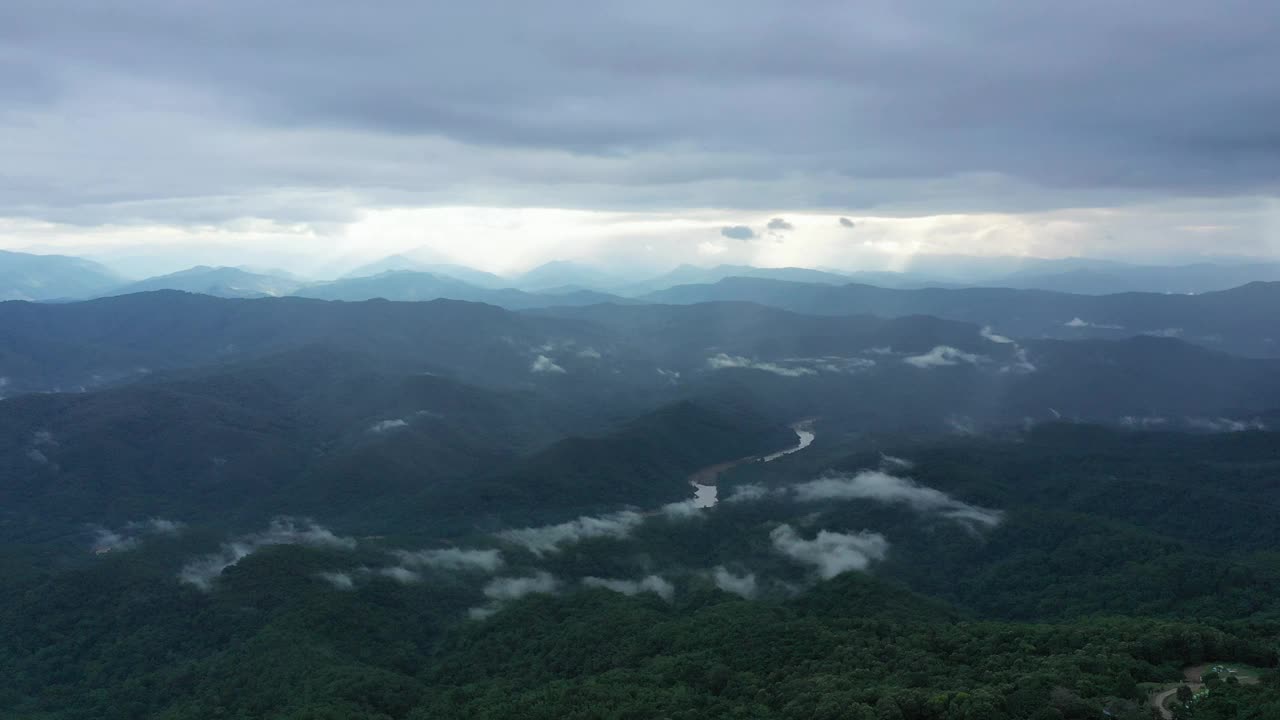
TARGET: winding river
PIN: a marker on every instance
(705, 492)
(805, 434)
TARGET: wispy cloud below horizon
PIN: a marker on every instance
(203, 571)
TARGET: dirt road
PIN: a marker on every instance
(1191, 678)
(1159, 700)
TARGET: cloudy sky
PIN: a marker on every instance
(503, 134)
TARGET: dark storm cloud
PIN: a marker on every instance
(622, 104)
(780, 225)
(738, 232)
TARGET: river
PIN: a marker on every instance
(705, 491)
(805, 434)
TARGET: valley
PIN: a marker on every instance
(442, 477)
(705, 481)
(728, 360)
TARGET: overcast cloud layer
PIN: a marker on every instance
(301, 122)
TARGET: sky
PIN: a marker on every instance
(319, 134)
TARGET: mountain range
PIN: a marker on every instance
(912, 368)
(416, 285)
(995, 501)
(24, 276)
(226, 282)
(1238, 320)
(58, 278)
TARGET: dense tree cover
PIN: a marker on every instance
(1233, 318)
(117, 639)
(1075, 551)
(1233, 700)
(122, 638)
(647, 461)
(322, 432)
(549, 658)
(1215, 490)
(1118, 557)
(619, 356)
(1094, 520)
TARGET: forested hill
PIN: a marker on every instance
(300, 509)
(912, 371)
(657, 360)
(1050, 574)
(1238, 320)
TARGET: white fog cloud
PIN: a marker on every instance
(990, 334)
(452, 559)
(1144, 422)
(385, 425)
(552, 538)
(749, 492)
(1020, 364)
(402, 575)
(514, 588)
(885, 488)
(682, 510)
(157, 525)
(1080, 323)
(834, 364)
(653, 584)
(941, 356)
(723, 361)
(106, 540)
(890, 461)
(131, 535)
(544, 364)
(742, 585)
(339, 580)
(503, 590)
(831, 553)
(847, 365)
(203, 571)
(874, 486)
(795, 366)
(43, 438)
(484, 611)
(1225, 425)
